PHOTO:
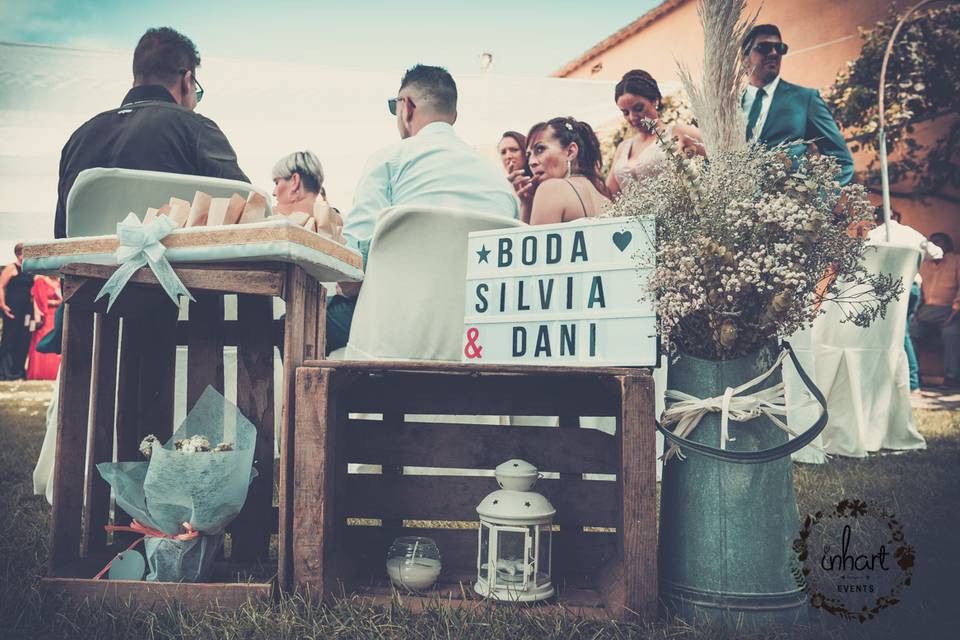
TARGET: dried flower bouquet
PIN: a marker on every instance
(752, 242)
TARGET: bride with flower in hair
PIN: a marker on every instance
(639, 156)
(561, 181)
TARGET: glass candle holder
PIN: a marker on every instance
(413, 563)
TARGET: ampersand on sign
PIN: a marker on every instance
(472, 350)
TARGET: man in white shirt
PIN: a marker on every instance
(787, 112)
(429, 166)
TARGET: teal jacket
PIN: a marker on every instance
(799, 113)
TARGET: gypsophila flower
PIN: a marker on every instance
(146, 445)
(743, 244)
(193, 444)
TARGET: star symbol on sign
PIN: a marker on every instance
(484, 253)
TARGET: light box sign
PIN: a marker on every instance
(573, 293)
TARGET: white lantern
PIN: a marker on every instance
(513, 559)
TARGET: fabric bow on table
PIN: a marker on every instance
(139, 246)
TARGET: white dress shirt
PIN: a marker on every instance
(433, 168)
(751, 95)
(902, 235)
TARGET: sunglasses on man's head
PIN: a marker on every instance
(766, 48)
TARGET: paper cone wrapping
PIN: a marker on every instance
(254, 209)
(218, 211)
(179, 210)
(151, 216)
(234, 209)
(329, 222)
(199, 210)
(298, 218)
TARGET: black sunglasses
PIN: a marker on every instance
(766, 48)
(392, 105)
(195, 82)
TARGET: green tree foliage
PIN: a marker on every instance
(923, 83)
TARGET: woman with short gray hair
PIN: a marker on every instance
(298, 181)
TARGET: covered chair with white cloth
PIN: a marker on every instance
(411, 303)
(863, 372)
(102, 197)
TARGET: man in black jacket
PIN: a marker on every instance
(155, 128)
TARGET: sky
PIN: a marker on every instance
(525, 38)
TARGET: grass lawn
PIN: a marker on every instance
(922, 489)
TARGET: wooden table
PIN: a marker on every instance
(604, 558)
(128, 392)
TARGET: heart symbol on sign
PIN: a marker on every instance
(622, 239)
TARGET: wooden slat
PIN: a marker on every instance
(628, 582)
(453, 368)
(100, 443)
(204, 347)
(251, 540)
(158, 366)
(368, 546)
(119, 593)
(304, 333)
(393, 423)
(439, 393)
(314, 491)
(230, 333)
(585, 502)
(133, 335)
(69, 461)
(210, 279)
(479, 446)
(82, 293)
(568, 539)
(638, 481)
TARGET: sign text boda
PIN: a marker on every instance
(569, 293)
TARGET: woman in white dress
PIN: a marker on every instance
(640, 155)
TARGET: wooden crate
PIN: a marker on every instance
(117, 376)
(604, 560)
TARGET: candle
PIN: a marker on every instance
(417, 574)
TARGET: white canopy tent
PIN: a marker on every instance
(266, 109)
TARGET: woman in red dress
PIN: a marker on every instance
(46, 299)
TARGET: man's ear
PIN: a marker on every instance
(183, 87)
(409, 109)
(295, 182)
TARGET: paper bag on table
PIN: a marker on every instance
(255, 208)
(329, 222)
(199, 210)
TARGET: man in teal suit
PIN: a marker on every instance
(778, 111)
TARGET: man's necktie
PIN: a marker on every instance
(754, 114)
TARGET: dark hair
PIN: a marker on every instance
(18, 249)
(759, 30)
(518, 137)
(436, 83)
(946, 242)
(160, 56)
(568, 130)
(639, 83)
(878, 214)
